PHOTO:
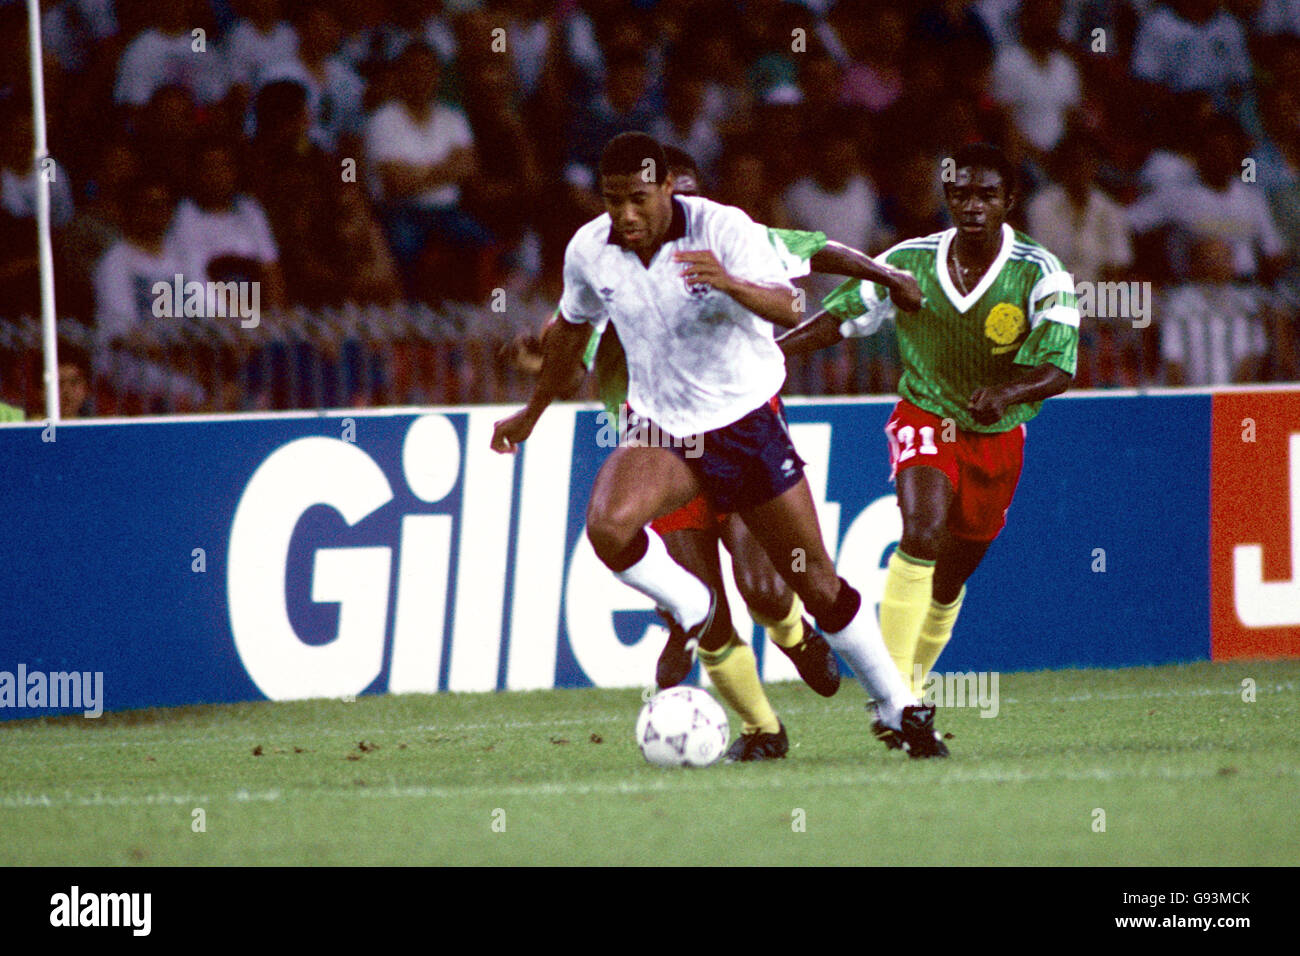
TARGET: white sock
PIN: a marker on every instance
(668, 584)
(874, 668)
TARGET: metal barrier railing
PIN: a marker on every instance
(413, 355)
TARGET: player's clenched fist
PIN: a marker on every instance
(987, 405)
(703, 268)
(509, 432)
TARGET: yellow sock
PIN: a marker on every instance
(786, 632)
(936, 629)
(734, 672)
(903, 608)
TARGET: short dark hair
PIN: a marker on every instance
(987, 156)
(626, 153)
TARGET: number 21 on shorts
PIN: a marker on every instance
(906, 438)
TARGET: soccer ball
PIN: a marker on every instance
(682, 726)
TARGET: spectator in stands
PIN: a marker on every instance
(222, 232)
(1217, 204)
(1211, 328)
(1277, 18)
(625, 103)
(19, 270)
(1279, 175)
(728, 99)
(296, 183)
(1076, 220)
(334, 90)
(259, 38)
(167, 132)
(1087, 229)
(820, 82)
(743, 181)
(507, 184)
(779, 126)
(332, 249)
(403, 22)
(684, 124)
(67, 35)
(1278, 167)
(128, 271)
(95, 227)
(363, 47)
(1190, 46)
(836, 197)
(1037, 80)
(532, 42)
(954, 23)
(421, 152)
(914, 203)
(127, 341)
(875, 40)
(366, 269)
(766, 31)
(168, 52)
(74, 381)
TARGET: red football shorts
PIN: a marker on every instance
(983, 469)
(696, 514)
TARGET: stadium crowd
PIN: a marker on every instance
(399, 178)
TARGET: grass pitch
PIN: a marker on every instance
(1186, 771)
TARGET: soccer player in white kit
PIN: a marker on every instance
(694, 289)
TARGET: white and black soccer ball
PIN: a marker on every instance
(682, 726)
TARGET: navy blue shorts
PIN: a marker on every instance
(746, 463)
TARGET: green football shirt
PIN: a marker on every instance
(604, 353)
(1022, 313)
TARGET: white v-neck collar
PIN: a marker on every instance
(964, 302)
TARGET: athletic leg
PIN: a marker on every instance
(787, 528)
(778, 610)
(925, 494)
(956, 563)
(696, 550)
(767, 595)
(634, 486)
(989, 469)
(729, 661)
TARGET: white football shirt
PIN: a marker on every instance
(696, 359)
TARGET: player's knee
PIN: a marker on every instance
(610, 529)
(923, 536)
(767, 595)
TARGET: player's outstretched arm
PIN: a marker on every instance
(774, 302)
(819, 332)
(990, 403)
(563, 346)
(841, 260)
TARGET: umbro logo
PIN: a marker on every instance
(607, 293)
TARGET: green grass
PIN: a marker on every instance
(1186, 772)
